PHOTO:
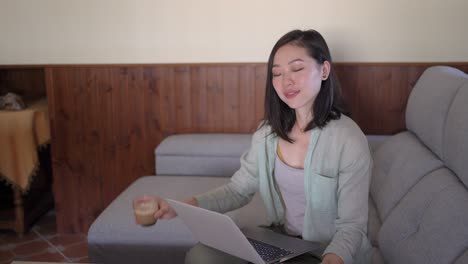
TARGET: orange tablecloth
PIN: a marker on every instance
(21, 134)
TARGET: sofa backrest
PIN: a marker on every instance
(430, 102)
(201, 154)
(420, 177)
(455, 138)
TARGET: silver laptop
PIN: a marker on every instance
(257, 245)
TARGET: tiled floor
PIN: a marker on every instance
(43, 243)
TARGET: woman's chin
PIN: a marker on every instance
(292, 105)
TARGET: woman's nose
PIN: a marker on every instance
(287, 80)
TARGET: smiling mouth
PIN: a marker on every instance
(291, 94)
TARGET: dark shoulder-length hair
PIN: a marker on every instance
(328, 104)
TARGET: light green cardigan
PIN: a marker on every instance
(336, 183)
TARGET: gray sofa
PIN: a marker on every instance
(418, 202)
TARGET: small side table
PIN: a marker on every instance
(24, 135)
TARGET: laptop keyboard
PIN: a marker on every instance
(268, 252)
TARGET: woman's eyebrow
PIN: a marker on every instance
(292, 61)
(295, 60)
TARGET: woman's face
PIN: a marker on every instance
(297, 77)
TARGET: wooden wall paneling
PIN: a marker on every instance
(71, 162)
(463, 67)
(106, 144)
(376, 95)
(119, 116)
(346, 77)
(247, 120)
(3, 81)
(107, 120)
(215, 99)
(260, 84)
(378, 85)
(198, 86)
(182, 99)
(368, 89)
(59, 148)
(136, 125)
(230, 99)
(167, 100)
(54, 148)
(66, 149)
(152, 133)
(398, 91)
(92, 182)
(27, 82)
(51, 104)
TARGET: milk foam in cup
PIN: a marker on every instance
(144, 208)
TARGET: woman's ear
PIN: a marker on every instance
(325, 70)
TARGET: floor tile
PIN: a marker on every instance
(76, 251)
(48, 255)
(42, 243)
(6, 262)
(83, 260)
(30, 248)
(80, 260)
(6, 255)
(12, 237)
(65, 240)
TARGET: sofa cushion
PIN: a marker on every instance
(429, 103)
(376, 256)
(456, 135)
(399, 163)
(201, 154)
(429, 225)
(373, 224)
(463, 259)
(375, 141)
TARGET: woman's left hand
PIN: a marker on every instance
(331, 258)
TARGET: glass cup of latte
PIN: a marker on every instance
(144, 208)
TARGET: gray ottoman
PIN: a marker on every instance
(115, 238)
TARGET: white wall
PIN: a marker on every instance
(183, 31)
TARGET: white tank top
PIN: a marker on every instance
(291, 184)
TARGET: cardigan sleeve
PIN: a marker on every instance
(240, 190)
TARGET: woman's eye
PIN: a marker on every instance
(276, 74)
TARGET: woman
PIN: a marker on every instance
(310, 162)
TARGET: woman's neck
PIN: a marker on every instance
(303, 117)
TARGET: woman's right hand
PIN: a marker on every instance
(164, 211)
